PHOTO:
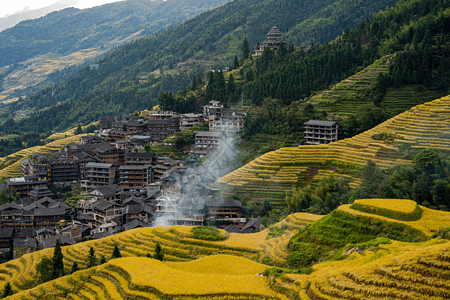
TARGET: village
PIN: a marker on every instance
(121, 187)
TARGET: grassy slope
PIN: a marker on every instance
(270, 175)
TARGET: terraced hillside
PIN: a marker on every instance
(423, 126)
(226, 269)
(213, 277)
(347, 97)
(177, 243)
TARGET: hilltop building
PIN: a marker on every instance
(274, 42)
(321, 132)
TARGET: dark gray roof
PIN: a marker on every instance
(135, 224)
(45, 229)
(103, 205)
(274, 31)
(124, 132)
(139, 155)
(255, 223)
(28, 232)
(140, 168)
(49, 211)
(24, 201)
(105, 148)
(232, 229)
(9, 206)
(107, 190)
(65, 240)
(135, 123)
(4, 187)
(224, 202)
(132, 200)
(98, 165)
(6, 233)
(25, 242)
(320, 123)
(209, 133)
(86, 217)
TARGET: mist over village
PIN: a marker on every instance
(225, 149)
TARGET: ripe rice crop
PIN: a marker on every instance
(151, 273)
(220, 264)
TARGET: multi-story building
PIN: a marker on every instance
(90, 139)
(162, 125)
(206, 142)
(229, 124)
(39, 192)
(136, 127)
(165, 115)
(273, 41)
(135, 177)
(83, 158)
(106, 121)
(111, 155)
(64, 170)
(36, 165)
(140, 159)
(24, 185)
(104, 212)
(321, 132)
(213, 110)
(190, 120)
(99, 174)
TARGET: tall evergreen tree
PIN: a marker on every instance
(235, 63)
(58, 264)
(194, 84)
(245, 49)
(116, 252)
(74, 267)
(7, 291)
(231, 86)
(92, 260)
(159, 255)
(102, 259)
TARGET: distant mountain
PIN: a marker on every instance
(130, 76)
(43, 51)
(13, 20)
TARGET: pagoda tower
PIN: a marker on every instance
(273, 42)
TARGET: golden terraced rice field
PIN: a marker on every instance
(228, 270)
(176, 242)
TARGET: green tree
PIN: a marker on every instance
(102, 259)
(79, 130)
(44, 269)
(245, 49)
(74, 267)
(92, 260)
(116, 252)
(236, 64)
(58, 264)
(159, 255)
(194, 84)
(7, 291)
